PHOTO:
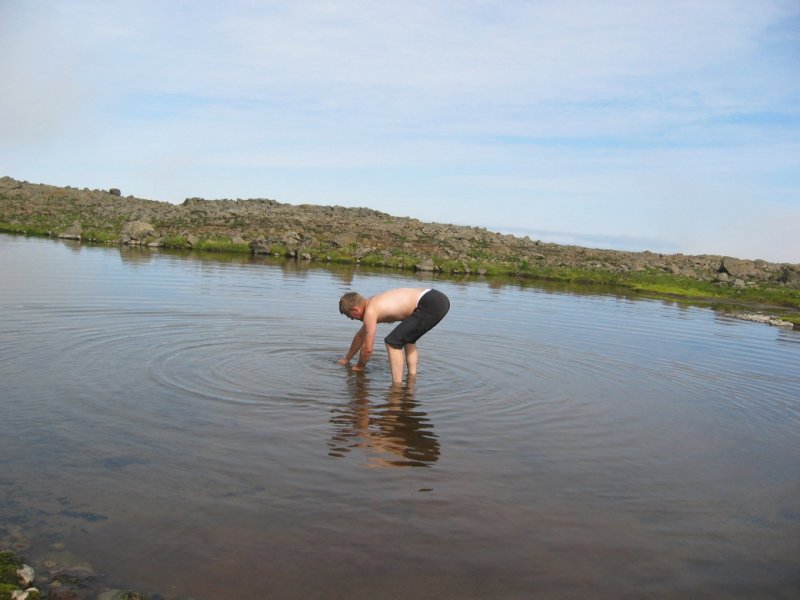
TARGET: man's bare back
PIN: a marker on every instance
(393, 305)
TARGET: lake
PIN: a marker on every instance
(179, 425)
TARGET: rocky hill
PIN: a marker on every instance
(339, 234)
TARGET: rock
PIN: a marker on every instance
(121, 595)
(26, 575)
(137, 232)
(743, 269)
(291, 238)
(21, 540)
(57, 592)
(362, 251)
(66, 567)
(790, 275)
(14, 574)
(73, 232)
(425, 266)
(762, 318)
(115, 192)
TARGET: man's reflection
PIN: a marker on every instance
(388, 426)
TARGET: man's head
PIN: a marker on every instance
(350, 301)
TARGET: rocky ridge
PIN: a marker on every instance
(340, 234)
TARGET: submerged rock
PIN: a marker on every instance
(125, 595)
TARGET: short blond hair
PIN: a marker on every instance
(349, 301)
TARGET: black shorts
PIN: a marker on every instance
(431, 309)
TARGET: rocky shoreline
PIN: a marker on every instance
(335, 233)
(363, 236)
(40, 556)
(19, 581)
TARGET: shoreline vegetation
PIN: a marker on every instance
(753, 289)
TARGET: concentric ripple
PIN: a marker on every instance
(238, 370)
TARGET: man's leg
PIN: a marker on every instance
(411, 358)
(396, 357)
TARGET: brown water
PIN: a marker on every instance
(181, 425)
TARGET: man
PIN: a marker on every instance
(418, 311)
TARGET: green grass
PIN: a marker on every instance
(328, 253)
(526, 270)
(101, 236)
(8, 574)
(16, 228)
(673, 285)
(176, 242)
(279, 250)
(221, 244)
(373, 260)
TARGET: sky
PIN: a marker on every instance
(670, 126)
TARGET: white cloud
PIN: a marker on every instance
(603, 118)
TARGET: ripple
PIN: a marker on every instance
(233, 370)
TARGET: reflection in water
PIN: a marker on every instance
(392, 433)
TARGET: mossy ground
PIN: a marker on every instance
(9, 580)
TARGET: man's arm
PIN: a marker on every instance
(358, 341)
(369, 328)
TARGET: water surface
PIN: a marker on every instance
(182, 426)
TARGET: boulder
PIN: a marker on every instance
(425, 266)
(790, 274)
(73, 232)
(137, 232)
(741, 269)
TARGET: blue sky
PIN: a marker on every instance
(669, 126)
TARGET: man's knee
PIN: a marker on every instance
(391, 342)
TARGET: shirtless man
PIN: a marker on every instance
(418, 311)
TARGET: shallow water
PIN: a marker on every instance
(181, 425)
